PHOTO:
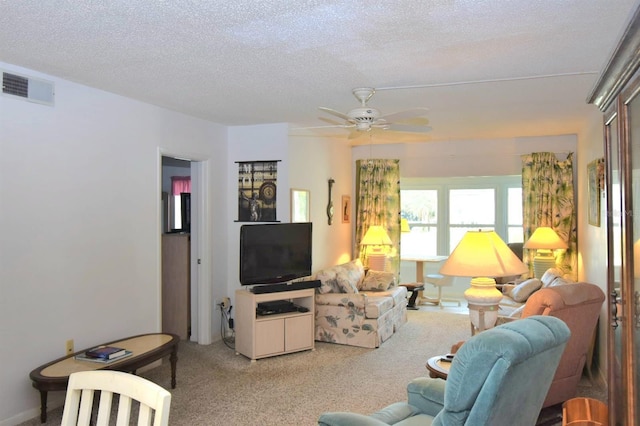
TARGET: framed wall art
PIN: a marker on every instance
(346, 209)
(257, 184)
(300, 205)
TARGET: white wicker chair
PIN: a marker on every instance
(439, 281)
(154, 400)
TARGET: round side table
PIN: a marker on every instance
(438, 369)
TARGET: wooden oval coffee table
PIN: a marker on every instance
(146, 348)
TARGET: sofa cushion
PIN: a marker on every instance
(343, 278)
(377, 306)
(377, 281)
(521, 292)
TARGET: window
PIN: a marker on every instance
(180, 185)
(441, 210)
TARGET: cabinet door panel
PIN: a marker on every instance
(269, 337)
(299, 332)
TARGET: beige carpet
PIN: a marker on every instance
(217, 387)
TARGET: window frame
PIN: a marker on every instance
(500, 184)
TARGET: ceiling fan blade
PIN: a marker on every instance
(332, 122)
(397, 127)
(336, 113)
(404, 115)
(335, 126)
(416, 121)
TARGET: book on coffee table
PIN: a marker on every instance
(85, 357)
(105, 352)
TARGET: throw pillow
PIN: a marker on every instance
(349, 276)
(549, 276)
(328, 282)
(378, 281)
(343, 278)
(521, 292)
(560, 281)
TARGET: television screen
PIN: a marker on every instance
(274, 253)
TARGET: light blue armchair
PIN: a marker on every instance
(498, 377)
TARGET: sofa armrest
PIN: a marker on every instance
(427, 395)
(357, 300)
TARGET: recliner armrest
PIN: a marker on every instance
(389, 415)
(427, 395)
(351, 419)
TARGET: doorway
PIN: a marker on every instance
(198, 312)
(176, 247)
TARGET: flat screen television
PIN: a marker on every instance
(274, 253)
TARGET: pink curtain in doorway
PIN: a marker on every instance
(180, 184)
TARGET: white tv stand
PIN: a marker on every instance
(260, 336)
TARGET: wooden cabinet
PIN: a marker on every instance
(617, 94)
(260, 336)
(176, 284)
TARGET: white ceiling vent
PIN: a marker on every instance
(27, 88)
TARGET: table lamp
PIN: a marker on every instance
(374, 242)
(482, 255)
(544, 240)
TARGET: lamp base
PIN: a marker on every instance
(377, 261)
(544, 260)
(483, 298)
(483, 317)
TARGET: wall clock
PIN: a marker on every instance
(268, 192)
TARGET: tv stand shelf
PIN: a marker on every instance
(261, 336)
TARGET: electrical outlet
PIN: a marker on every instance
(69, 347)
(226, 302)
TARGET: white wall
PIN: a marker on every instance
(314, 162)
(592, 240)
(494, 157)
(79, 221)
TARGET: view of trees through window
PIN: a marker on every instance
(441, 211)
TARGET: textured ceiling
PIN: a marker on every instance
(495, 68)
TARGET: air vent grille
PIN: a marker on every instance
(27, 88)
(15, 85)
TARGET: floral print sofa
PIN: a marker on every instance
(358, 310)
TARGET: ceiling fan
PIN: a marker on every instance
(365, 119)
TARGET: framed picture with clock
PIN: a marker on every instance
(257, 191)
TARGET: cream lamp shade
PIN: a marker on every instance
(482, 255)
(544, 240)
(404, 225)
(374, 241)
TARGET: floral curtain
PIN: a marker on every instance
(378, 203)
(548, 200)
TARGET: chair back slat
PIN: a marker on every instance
(124, 410)
(104, 409)
(154, 401)
(85, 398)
